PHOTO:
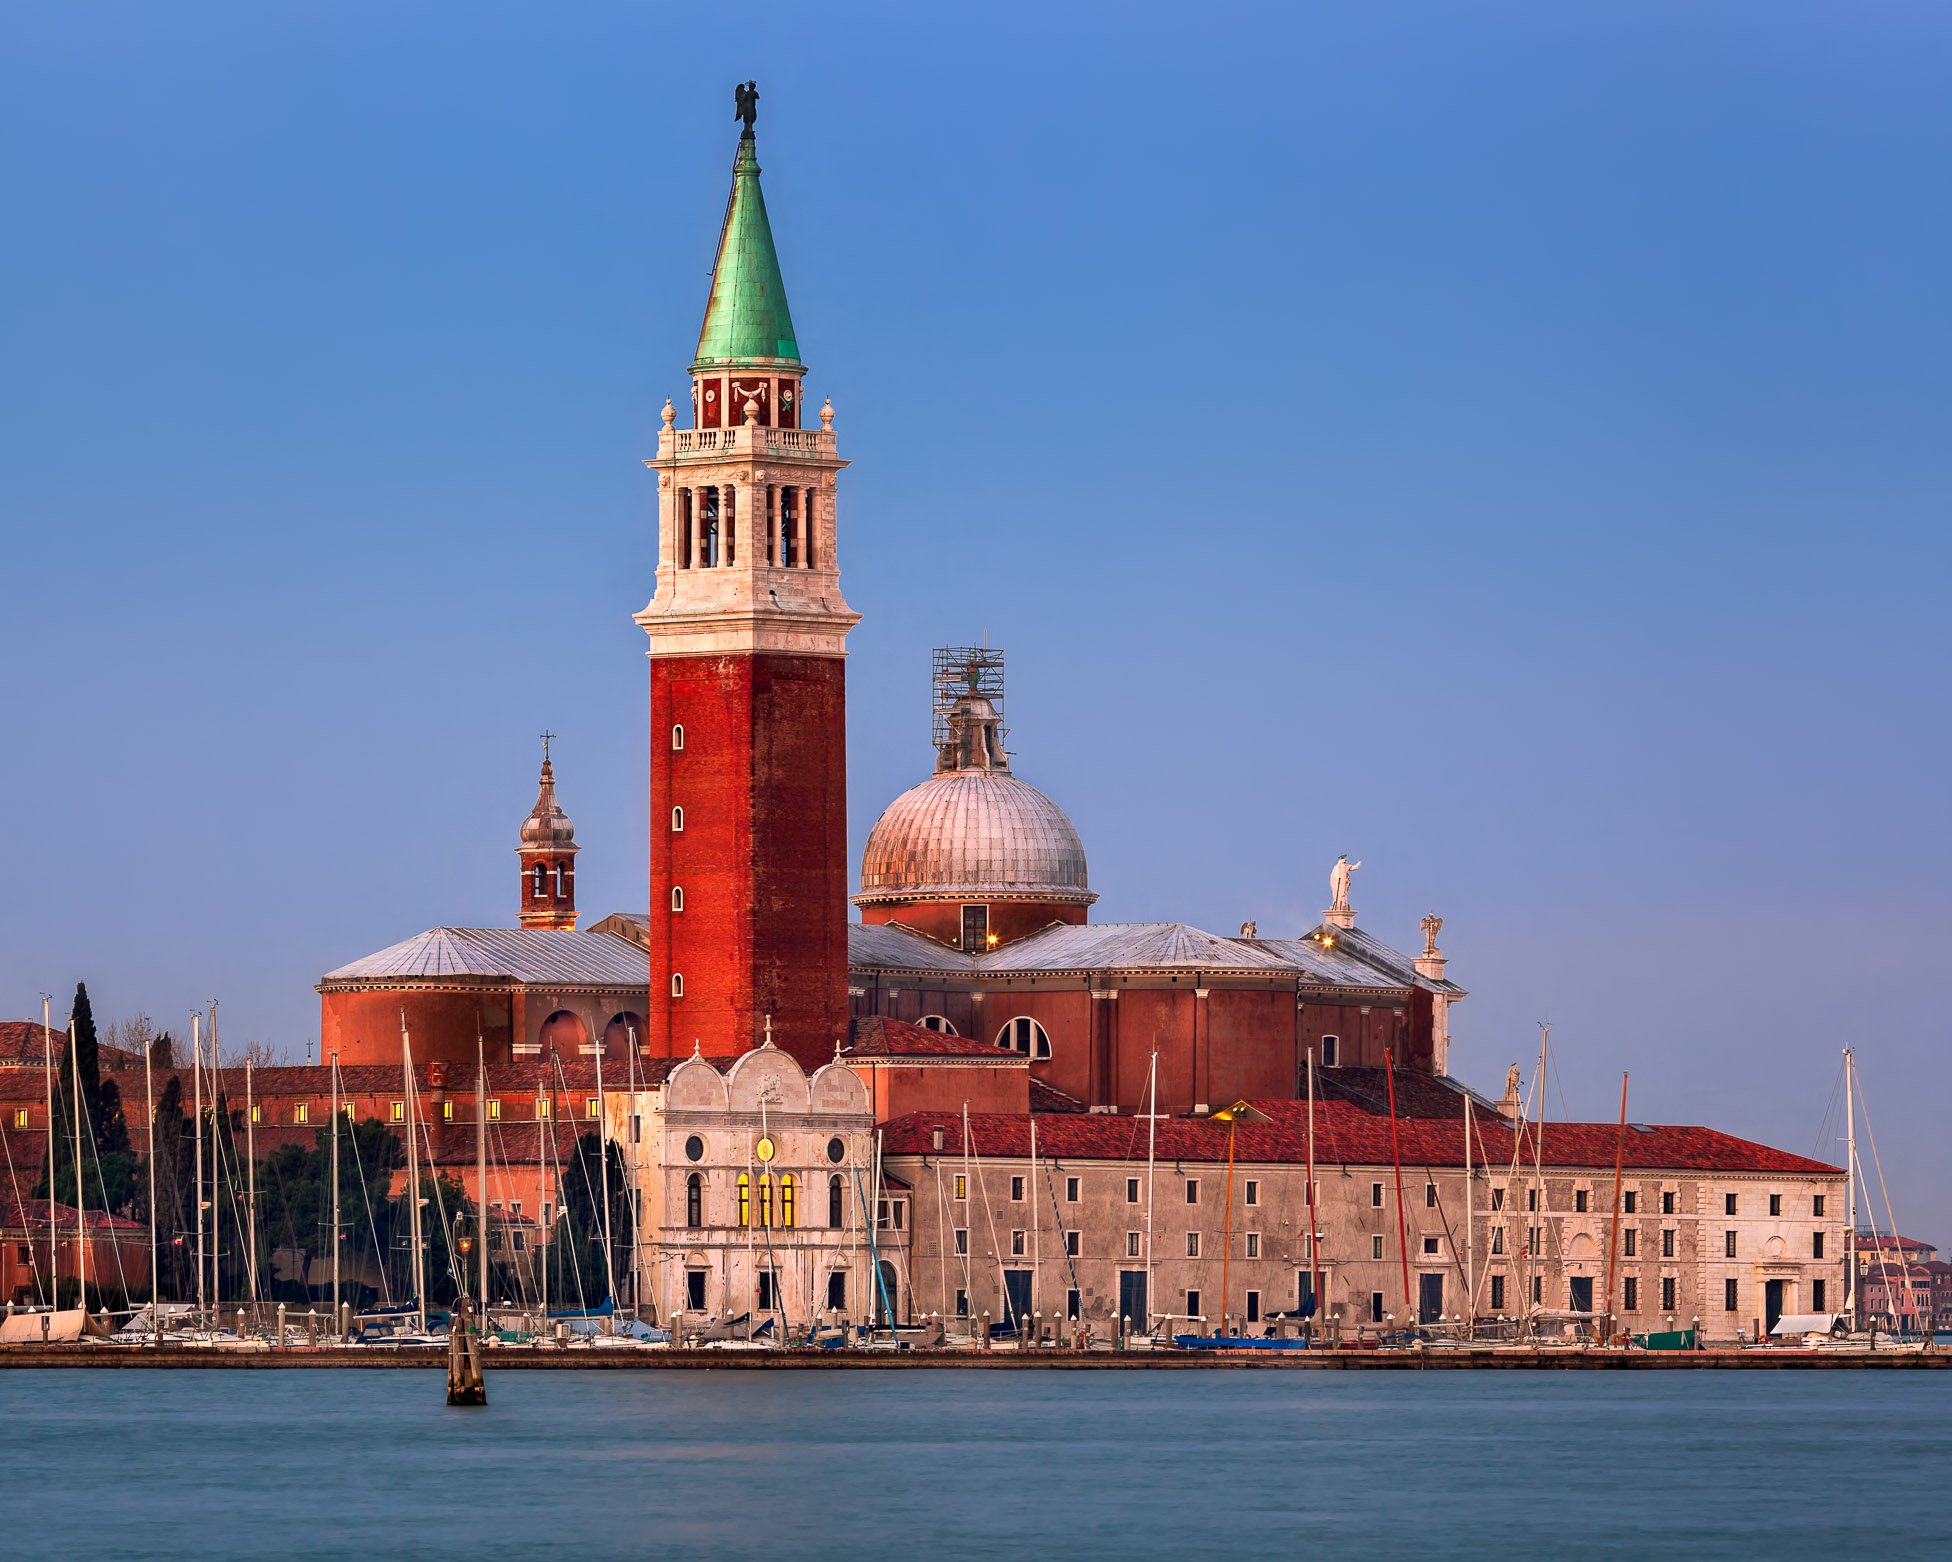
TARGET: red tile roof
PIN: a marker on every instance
(32, 1215)
(1345, 1135)
(23, 1044)
(879, 1037)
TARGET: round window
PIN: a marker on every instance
(836, 1151)
(694, 1148)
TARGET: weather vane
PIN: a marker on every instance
(546, 736)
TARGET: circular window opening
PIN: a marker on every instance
(694, 1148)
(836, 1151)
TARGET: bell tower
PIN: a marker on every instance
(548, 854)
(747, 626)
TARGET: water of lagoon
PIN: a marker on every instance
(993, 1464)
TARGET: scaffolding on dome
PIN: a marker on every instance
(956, 670)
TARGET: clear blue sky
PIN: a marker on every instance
(1506, 443)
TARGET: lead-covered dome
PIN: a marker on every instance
(974, 833)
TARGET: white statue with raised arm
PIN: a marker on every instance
(1338, 882)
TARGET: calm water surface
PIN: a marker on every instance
(788, 1465)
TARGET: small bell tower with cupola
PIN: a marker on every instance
(548, 853)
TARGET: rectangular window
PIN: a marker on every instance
(1816, 1248)
(1817, 1296)
(1579, 1201)
(1531, 1200)
(636, 1128)
(447, 1111)
(962, 1239)
(962, 1186)
(1630, 1202)
(1667, 1202)
(1538, 1291)
(1375, 1247)
(1728, 1204)
(1253, 1191)
(1430, 1195)
(1331, 1049)
(1775, 1204)
(1667, 1242)
(1430, 1247)
(1071, 1243)
(20, 1117)
(345, 1108)
(1253, 1306)
(1731, 1297)
(1375, 1306)
(302, 1113)
(1375, 1195)
(1728, 1245)
(1816, 1208)
(590, 1107)
(765, 1290)
(1016, 1190)
(1192, 1190)
(1497, 1198)
(1253, 1244)
(1630, 1242)
(494, 1110)
(398, 1111)
(1070, 1190)
(1192, 1244)
(541, 1107)
(1667, 1293)
(1131, 1244)
(962, 1302)
(1534, 1245)
(1193, 1304)
(1016, 1244)
(1073, 1304)
(1131, 1190)
(1497, 1293)
(1630, 1297)
(257, 1115)
(1497, 1239)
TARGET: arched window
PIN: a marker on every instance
(836, 1209)
(765, 1200)
(1023, 1034)
(677, 736)
(786, 1191)
(677, 819)
(695, 1201)
(677, 897)
(677, 985)
(539, 870)
(745, 1200)
(1331, 1050)
(559, 881)
(938, 1023)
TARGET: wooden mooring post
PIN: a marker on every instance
(465, 1384)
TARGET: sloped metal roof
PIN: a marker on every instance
(540, 957)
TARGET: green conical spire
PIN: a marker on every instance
(747, 321)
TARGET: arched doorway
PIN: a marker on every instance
(887, 1294)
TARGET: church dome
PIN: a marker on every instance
(547, 827)
(974, 833)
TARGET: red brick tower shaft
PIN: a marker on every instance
(748, 908)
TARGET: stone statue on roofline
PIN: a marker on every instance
(1432, 925)
(746, 96)
(1338, 882)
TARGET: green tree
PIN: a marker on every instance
(575, 1256)
(105, 1176)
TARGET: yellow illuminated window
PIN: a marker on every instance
(541, 1106)
(20, 1117)
(447, 1111)
(745, 1200)
(765, 1200)
(590, 1107)
(962, 1186)
(345, 1111)
(399, 1111)
(300, 1112)
(786, 1200)
(494, 1109)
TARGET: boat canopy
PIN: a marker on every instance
(1808, 1323)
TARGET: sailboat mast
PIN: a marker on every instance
(149, 1091)
(481, 1164)
(216, 1171)
(1850, 1188)
(251, 1177)
(1035, 1229)
(630, 1171)
(1308, 1203)
(1151, 1146)
(53, 1237)
(413, 1179)
(81, 1187)
(603, 1176)
(1470, 1234)
(335, 1191)
(196, 1132)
